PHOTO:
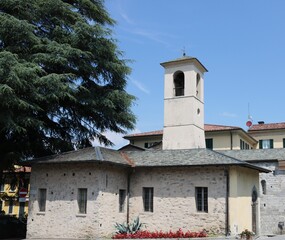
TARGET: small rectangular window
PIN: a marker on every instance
(201, 199)
(266, 144)
(122, 199)
(42, 199)
(209, 143)
(283, 142)
(11, 204)
(82, 200)
(148, 199)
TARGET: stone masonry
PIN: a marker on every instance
(272, 198)
(61, 218)
(174, 198)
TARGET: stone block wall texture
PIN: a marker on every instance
(174, 198)
(61, 218)
(272, 202)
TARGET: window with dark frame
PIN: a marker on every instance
(82, 200)
(42, 199)
(122, 199)
(201, 199)
(11, 204)
(209, 143)
(265, 143)
(148, 199)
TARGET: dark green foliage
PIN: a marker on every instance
(62, 78)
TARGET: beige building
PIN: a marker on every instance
(270, 135)
(217, 137)
(169, 180)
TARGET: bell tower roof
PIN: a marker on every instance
(185, 60)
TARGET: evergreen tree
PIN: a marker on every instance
(62, 78)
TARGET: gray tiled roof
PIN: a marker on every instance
(159, 158)
(90, 154)
(256, 154)
(185, 157)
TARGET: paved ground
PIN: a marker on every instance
(276, 237)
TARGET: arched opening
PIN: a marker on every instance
(254, 206)
(198, 86)
(263, 186)
(179, 84)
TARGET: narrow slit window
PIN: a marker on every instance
(263, 186)
(148, 199)
(198, 86)
(82, 200)
(122, 199)
(42, 199)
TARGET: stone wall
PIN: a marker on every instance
(272, 201)
(174, 198)
(61, 218)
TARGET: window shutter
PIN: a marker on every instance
(260, 144)
(271, 143)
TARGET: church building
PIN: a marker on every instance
(83, 193)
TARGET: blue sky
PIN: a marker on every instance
(241, 43)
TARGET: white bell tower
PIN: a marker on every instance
(183, 104)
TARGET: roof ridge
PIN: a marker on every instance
(98, 153)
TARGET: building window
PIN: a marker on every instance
(263, 186)
(179, 84)
(283, 142)
(209, 143)
(201, 199)
(243, 145)
(148, 199)
(10, 210)
(42, 199)
(198, 86)
(266, 143)
(122, 199)
(1, 203)
(150, 144)
(82, 200)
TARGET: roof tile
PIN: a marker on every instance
(267, 126)
(207, 127)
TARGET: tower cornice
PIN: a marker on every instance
(183, 60)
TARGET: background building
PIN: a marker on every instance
(14, 191)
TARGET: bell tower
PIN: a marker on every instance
(183, 104)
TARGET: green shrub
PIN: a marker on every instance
(129, 227)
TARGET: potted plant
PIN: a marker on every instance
(246, 234)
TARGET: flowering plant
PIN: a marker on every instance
(160, 234)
